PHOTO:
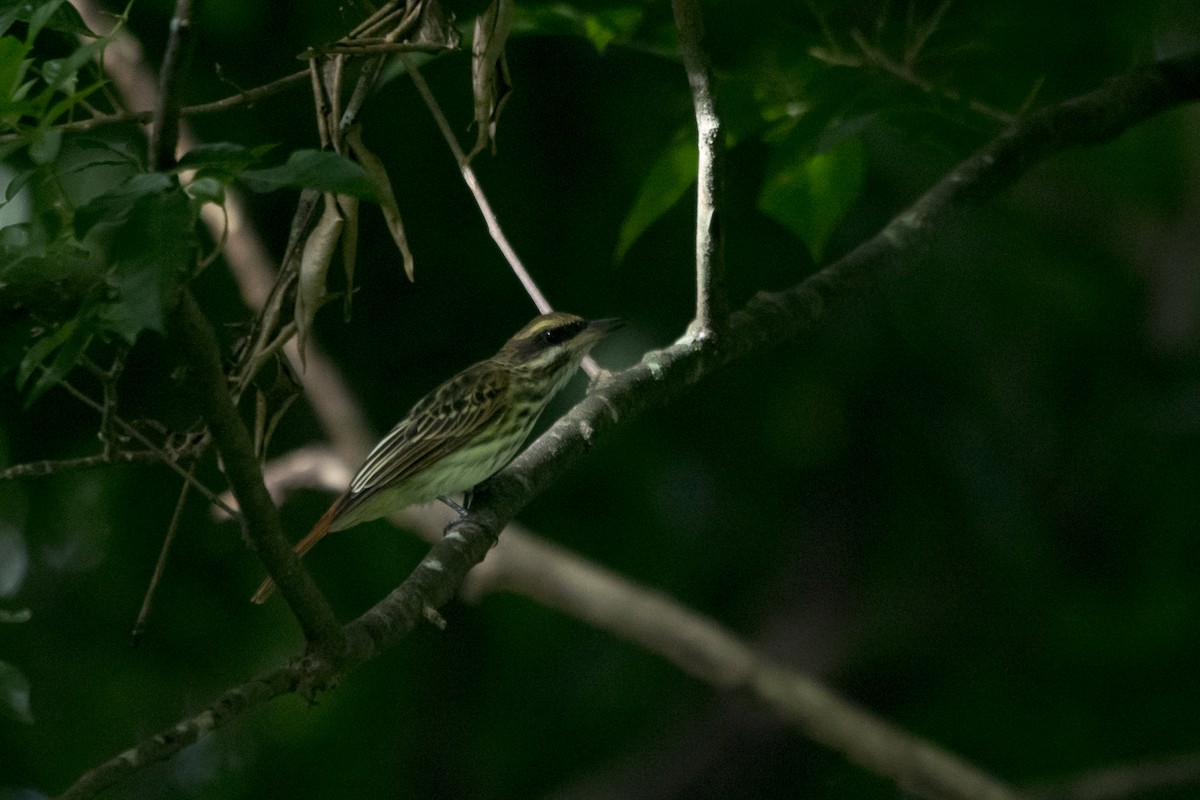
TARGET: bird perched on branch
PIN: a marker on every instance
(465, 430)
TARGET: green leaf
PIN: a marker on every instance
(672, 174)
(13, 65)
(116, 205)
(17, 183)
(152, 252)
(55, 15)
(40, 350)
(61, 74)
(46, 144)
(14, 560)
(64, 361)
(15, 617)
(809, 194)
(207, 189)
(225, 156)
(140, 304)
(317, 169)
(14, 693)
(601, 27)
(38, 15)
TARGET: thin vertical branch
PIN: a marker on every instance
(489, 216)
(712, 305)
(164, 132)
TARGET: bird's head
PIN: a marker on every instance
(554, 341)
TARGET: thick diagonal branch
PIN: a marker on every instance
(193, 336)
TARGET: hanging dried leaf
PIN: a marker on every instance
(314, 266)
(436, 27)
(489, 71)
(377, 174)
(348, 205)
(274, 391)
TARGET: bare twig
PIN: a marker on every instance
(40, 469)
(918, 34)
(485, 208)
(171, 460)
(246, 98)
(139, 625)
(393, 17)
(906, 72)
(712, 304)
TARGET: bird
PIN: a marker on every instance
(465, 430)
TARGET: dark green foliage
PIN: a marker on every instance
(966, 501)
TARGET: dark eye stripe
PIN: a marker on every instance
(562, 333)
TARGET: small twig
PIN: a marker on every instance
(139, 626)
(320, 100)
(905, 72)
(485, 208)
(916, 44)
(589, 365)
(163, 456)
(247, 98)
(712, 305)
(386, 19)
(377, 48)
(41, 469)
(108, 384)
(489, 216)
(366, 82)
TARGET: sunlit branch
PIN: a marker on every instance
(712, 305)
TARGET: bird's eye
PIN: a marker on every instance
(561, 333)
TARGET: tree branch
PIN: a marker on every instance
(164, 129)
(166, 743)
(40, 469)
(712, 304)
(1125, 780)
(193, 336)
(702, 648)
(768, 319)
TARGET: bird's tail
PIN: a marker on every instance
(317, 533)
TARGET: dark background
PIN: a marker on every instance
(966, 501)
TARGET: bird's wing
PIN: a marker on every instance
(443, 421)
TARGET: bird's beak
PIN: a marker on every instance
(597, 329)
